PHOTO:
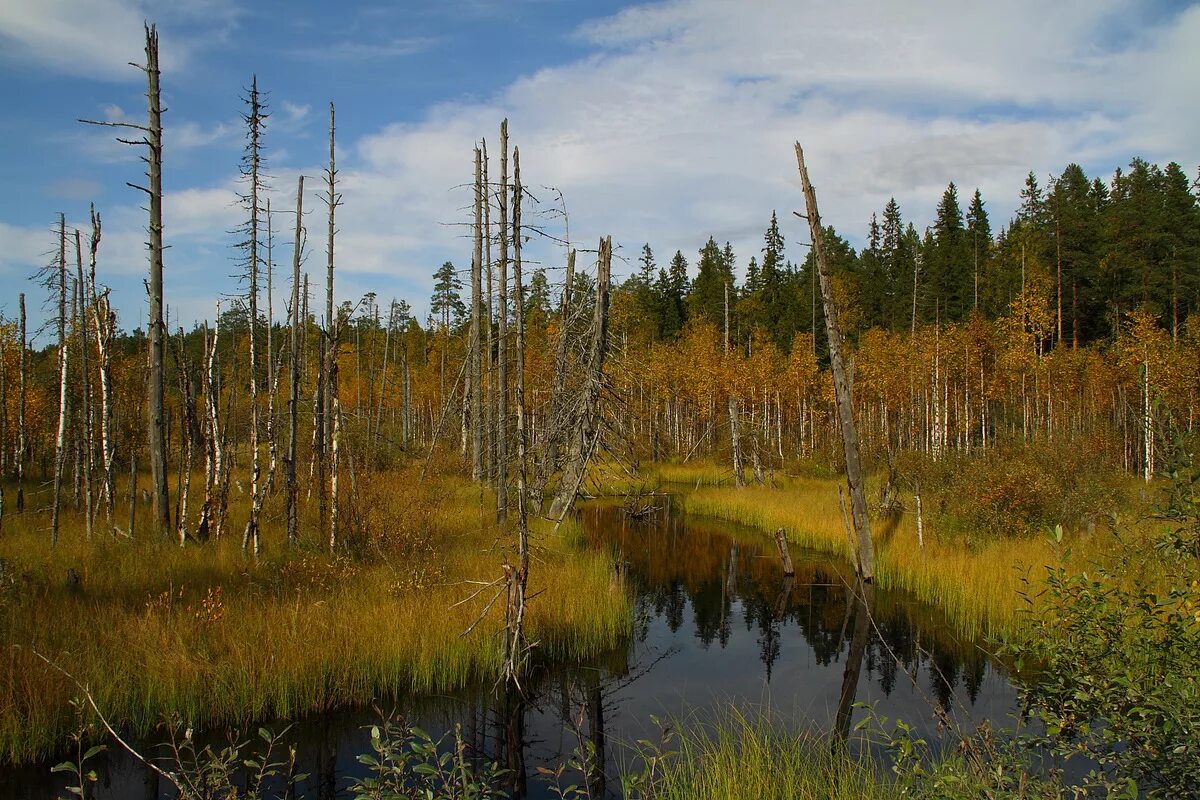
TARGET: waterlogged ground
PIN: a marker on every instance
(717, 626)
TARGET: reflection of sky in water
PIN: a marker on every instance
(715, 624)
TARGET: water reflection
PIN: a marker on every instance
(716, 623)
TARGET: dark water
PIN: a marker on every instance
(716, 624)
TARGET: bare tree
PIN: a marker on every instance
(502, 348)
(735, 423)
(85, 388)
(22, 443)
(212, 512)
(519, 578)
(841, 383)
(491, 427)
(476, 374)
(188, 428)
(332, 333)
(105, 323)
(294, 399)
(586, 415)
(255, 121)
(61, 436)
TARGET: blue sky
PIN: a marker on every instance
(662, 122)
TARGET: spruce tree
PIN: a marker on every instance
(707, 298)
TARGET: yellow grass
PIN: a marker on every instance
(980, 589)
(213, 636)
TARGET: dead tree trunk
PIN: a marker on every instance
(85, 388)
(250, 171)
(735, 424)
(214, 456)
(153, 140)
(22, 443)
(476, 373)
(294, 398)
(332, 400)
(586, 432)
(841, 384)
(105, 321)
(61, 436)
(157, 432)
(502, 348)
(491, 427)
(187, 394)
(519, 576)
(336, 435)
(557, 428)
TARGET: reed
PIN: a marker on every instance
(207, 634)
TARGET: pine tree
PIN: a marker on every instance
(446, 304)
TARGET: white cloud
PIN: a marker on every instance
(98, 38)
(681, 125)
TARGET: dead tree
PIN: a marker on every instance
(332, 401)
(189, 427)
(85, 387)
(502, 347)
(211, 512)
(490, 429)
(153, 141)
(476, 374)
(22, 443)
(335, 441)
(841, 383)
(61, 436)
(735, 424)
(294, 399)
(587, 413)
(519, 578)
(105, 322)
(251, 172)
(556, 428)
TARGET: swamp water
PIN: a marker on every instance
(717, 627)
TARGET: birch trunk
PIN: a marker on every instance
(61, 435)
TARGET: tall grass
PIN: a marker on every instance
(213, 636)
(741, 757)
(980, 588)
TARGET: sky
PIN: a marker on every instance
(661, 123)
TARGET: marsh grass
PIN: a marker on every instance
(747, 756)
(210, 635)
(983, 589)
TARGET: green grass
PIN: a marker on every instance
(749, 758)
(213, 636)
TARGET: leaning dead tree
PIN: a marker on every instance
(841, 383)
(152, 139)
(584, 411)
